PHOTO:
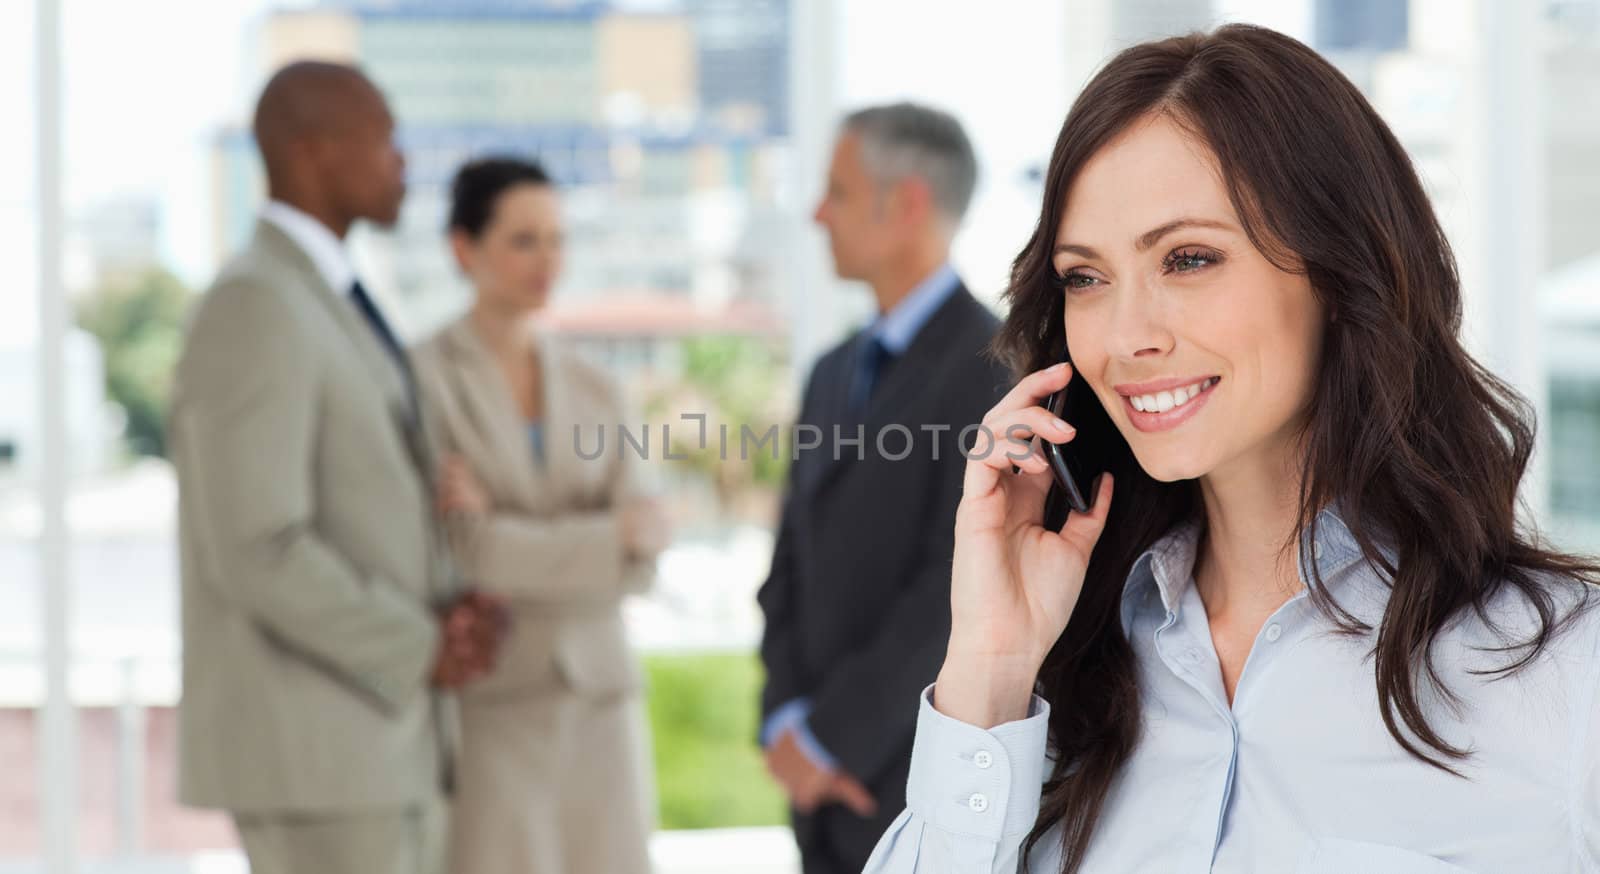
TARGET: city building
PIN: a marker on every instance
(670, 169)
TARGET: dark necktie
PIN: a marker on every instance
(391, 344)
(869, 365)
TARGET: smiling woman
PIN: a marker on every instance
(1170, 309)
(1309, 610)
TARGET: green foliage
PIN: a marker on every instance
(704, 712)
(139, 323)
(740, 377)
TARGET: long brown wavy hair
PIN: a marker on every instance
(1419, 446)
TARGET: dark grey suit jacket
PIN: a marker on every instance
(858, 601)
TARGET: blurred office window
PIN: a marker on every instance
(19, 577)
(1570, 314)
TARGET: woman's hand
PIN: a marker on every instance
(645, 528)
(459, 488)
(1014, 582)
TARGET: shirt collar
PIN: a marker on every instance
(899, 326)
(325, 250)
(1167, 567)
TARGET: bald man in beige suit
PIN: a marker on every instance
(323, 627)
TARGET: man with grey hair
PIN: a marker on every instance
(858, 600)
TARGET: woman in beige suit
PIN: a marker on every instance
(552, 777)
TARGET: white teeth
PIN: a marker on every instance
(1161, 402)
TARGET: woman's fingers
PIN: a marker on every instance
(453, 470)
(1035, 387)
(999, 452)
(1018, 418)
(1026, 493)
(449, 478)
(1006, 439)
(1010, 438)
(1083, 529)
(453, 494)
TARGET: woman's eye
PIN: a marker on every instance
(1188, 260)
(1073, 281)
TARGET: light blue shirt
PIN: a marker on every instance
(896, 330)
(536, 439)
(1299, 773)
(792, 716)
(898, 327)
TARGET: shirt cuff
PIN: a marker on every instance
(782, 718)
(792, 717)
(969, 781)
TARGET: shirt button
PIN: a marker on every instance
(1316, 550)
(1274, 632)
(982, 759)
(978, 803)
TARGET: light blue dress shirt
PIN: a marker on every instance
(896, 330)
(898, 327)
(1299, 773)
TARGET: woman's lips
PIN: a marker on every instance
(1154, 418)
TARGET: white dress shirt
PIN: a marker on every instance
(326, 251)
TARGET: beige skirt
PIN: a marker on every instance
(555, 783)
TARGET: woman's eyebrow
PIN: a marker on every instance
(1148, 238)
(1153, 236)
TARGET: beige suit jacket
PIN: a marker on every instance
(551, 544)
(310, 556)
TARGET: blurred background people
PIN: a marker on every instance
(315, 661)
(857, 604)
(553, 778)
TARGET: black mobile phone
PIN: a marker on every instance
(1077, 464)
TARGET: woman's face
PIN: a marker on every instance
(517, 258)
(1201, 350)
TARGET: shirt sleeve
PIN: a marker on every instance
(972, 797)
(792, 716)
